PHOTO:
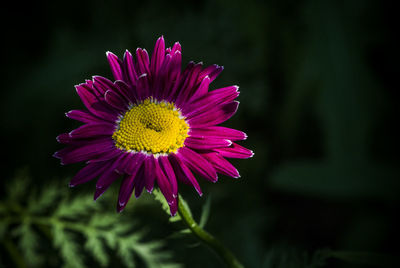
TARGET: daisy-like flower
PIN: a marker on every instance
(154, 124)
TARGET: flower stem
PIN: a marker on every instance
(207, 238)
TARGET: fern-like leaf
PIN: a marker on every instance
(164, 204)
(96, 247)
(28, 242)
(45, 200)
(68, 246)
(77, 207)
(69, 221)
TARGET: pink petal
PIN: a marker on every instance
(183, 172)
(217, 132)
(115, 65)
(235, 151)
(197, 163)
(157, 58)
(221, 165)
(214, 116)
(116, 101)
(129, 69)
(169, 173)
(206, 143)
(88, 173)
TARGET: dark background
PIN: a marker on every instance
(319, 102)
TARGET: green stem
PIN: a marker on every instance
(207, 238)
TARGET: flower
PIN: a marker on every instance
(154, 124)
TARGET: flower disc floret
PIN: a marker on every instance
(152, 127)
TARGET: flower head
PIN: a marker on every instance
(154, 124)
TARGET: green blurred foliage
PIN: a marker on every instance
(37, 226)
(318, 82)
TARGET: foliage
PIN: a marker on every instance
(319, 102)
(203, 218)
(78, 229)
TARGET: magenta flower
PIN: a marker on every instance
(154, 124)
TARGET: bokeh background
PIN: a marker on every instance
(319, 102)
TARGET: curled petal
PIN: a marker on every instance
(165, 188)
(218, 132)
(115, 65)
(82, 116)
(210, 100)
(183, 173)
(214, 116)
(116, 101)
(221, 164)
(88, 173)
(84, 152)
(206, 143)
(169, 174)
(150, 173)
(158, 56)
(235, 151)
(143, 61)
(197, 163)
(92, 130)
(129, 68)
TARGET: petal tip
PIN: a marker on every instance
(238, 175)
(99, 192)
(121, 206)
(142, 75)
(110, 54)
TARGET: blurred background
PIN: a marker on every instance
(319, 102)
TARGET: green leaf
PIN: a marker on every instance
(125, 251)
(28, 242)
(46, 199)
(205, 213)
(152, 254)
(96, 247)
(160, 198)
(74, 222)
(69, 248)
(102, 220)
(78, 206)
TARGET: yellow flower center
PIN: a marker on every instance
(152, 127)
